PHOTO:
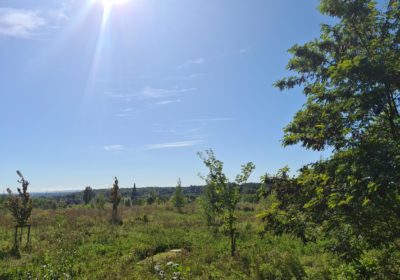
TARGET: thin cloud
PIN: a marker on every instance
(187, 77)
(127, 113)
(114, 148)
(126, 110)
(208, 120)
(20, 23)
(191, 62)
(173, 145)
(165, 102)
(149, 93)
(243, 50)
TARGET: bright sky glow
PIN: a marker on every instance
(90, 90)
(109, 4)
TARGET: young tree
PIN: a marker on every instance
(178, 199)
(227, 192)
(350, 76)
(100, 200)
(88, 194)
(115, 199)
(134, 195)
(20, 207)
(282, 197)
(151, 197)
(215, 178)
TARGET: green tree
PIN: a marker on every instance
(282, 199)
(134, 195)
(115, 199)
(227, 192)
(151, 197)
(351, 79)
(216, 177)
(88, 194)
(20, 205)
(100, 200)
(178, 200)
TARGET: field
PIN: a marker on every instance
(80, 243)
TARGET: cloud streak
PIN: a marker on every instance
(150, 93)
(166, 102)
(200, 120)
(170, 145)
(114, 148)
(191, 62)
(20, 23)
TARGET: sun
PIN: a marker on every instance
(108, 4)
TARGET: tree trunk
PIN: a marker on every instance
(233, 245)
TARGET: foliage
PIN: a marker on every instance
(134, 195)
(282, 201)
(210, 199)
(88, 194)
(178, 199)
(20, 205)
(151, 197)
(350, 76)
(100, 201)
(226, 193)
(126, 201)
(115, 199)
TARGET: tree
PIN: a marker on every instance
(100, 201)
(88, 194)
(134, 195)
(351, 79)
(227, 194)
(151, 197)
(178, 199)
(20, 205)
(115, 199)
(215, 178)
(282, 197)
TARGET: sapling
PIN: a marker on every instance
(178, 199)
(115, 199)
(226, 194)
(20, 206)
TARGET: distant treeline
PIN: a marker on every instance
(55, 200)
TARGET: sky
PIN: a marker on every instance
(92, 89)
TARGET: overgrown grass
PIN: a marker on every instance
(80, 243)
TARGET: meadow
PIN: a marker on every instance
(80, 243)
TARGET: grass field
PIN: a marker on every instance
(80, 243)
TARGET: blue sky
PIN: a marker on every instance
(136, 90)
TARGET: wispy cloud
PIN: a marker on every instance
(20, 23)
(127, 113)
(207, 120)
(173, 145)
(126, 110)
(165, 102)
(114, 148)
(244, 50)
(187, 77)
(150, 93)
(188, 63)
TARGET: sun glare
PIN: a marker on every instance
(107, 4)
